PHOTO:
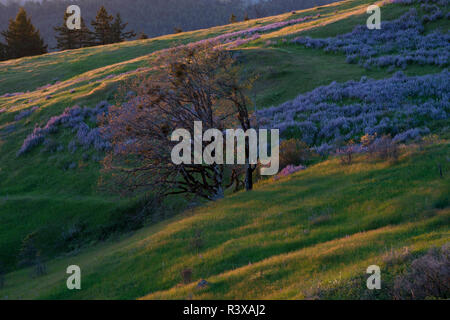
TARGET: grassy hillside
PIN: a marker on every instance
(298, 237)
(264, 244)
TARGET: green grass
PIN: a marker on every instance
(38, 194)
(285, 71)
(263, 244)
(37, 178)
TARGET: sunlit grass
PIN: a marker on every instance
(382, 203)
(262, 244)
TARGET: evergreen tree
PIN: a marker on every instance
(102, 27)
(233, 18)
(3, 55)
(246, 18)
(85, 36)
(66, 38)
(142, 36)
(117, 30)
(72, 39)
(22, 39)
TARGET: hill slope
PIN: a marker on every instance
(52, 193)
(272, 243)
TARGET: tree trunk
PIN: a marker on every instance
(218, 177)
(248, 177)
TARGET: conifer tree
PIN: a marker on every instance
(66, 38)
(142, 36)
(85, 36)
(246, 18)
(22, 38)
(233, 18)
(72, 39)
(102, 27)
(117, 30)
(3, 55)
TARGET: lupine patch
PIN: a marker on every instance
(236, 38)
(288, 170)
(409, 2)
(25, 113)
(73, 118)
(330, 115)
(398, 43)
(8, 95)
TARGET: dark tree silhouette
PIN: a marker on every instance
(102, 27)
(198, 83)
(156, 17)
(3, 55)
(142, 36)
(117, 30)
(177, 30)
(22, 38)
(73, 39)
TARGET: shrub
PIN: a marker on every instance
(142, 36)
(197, 241)
(40, 268)
(368, 139)
(428, 277)
(383, 148)
(442, 203)
(186, 275)
(28, 252)
(73, 232)
(293, 152)
(346, 153)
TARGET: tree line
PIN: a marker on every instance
(107, 30)
(156, 17)
(22, 39)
